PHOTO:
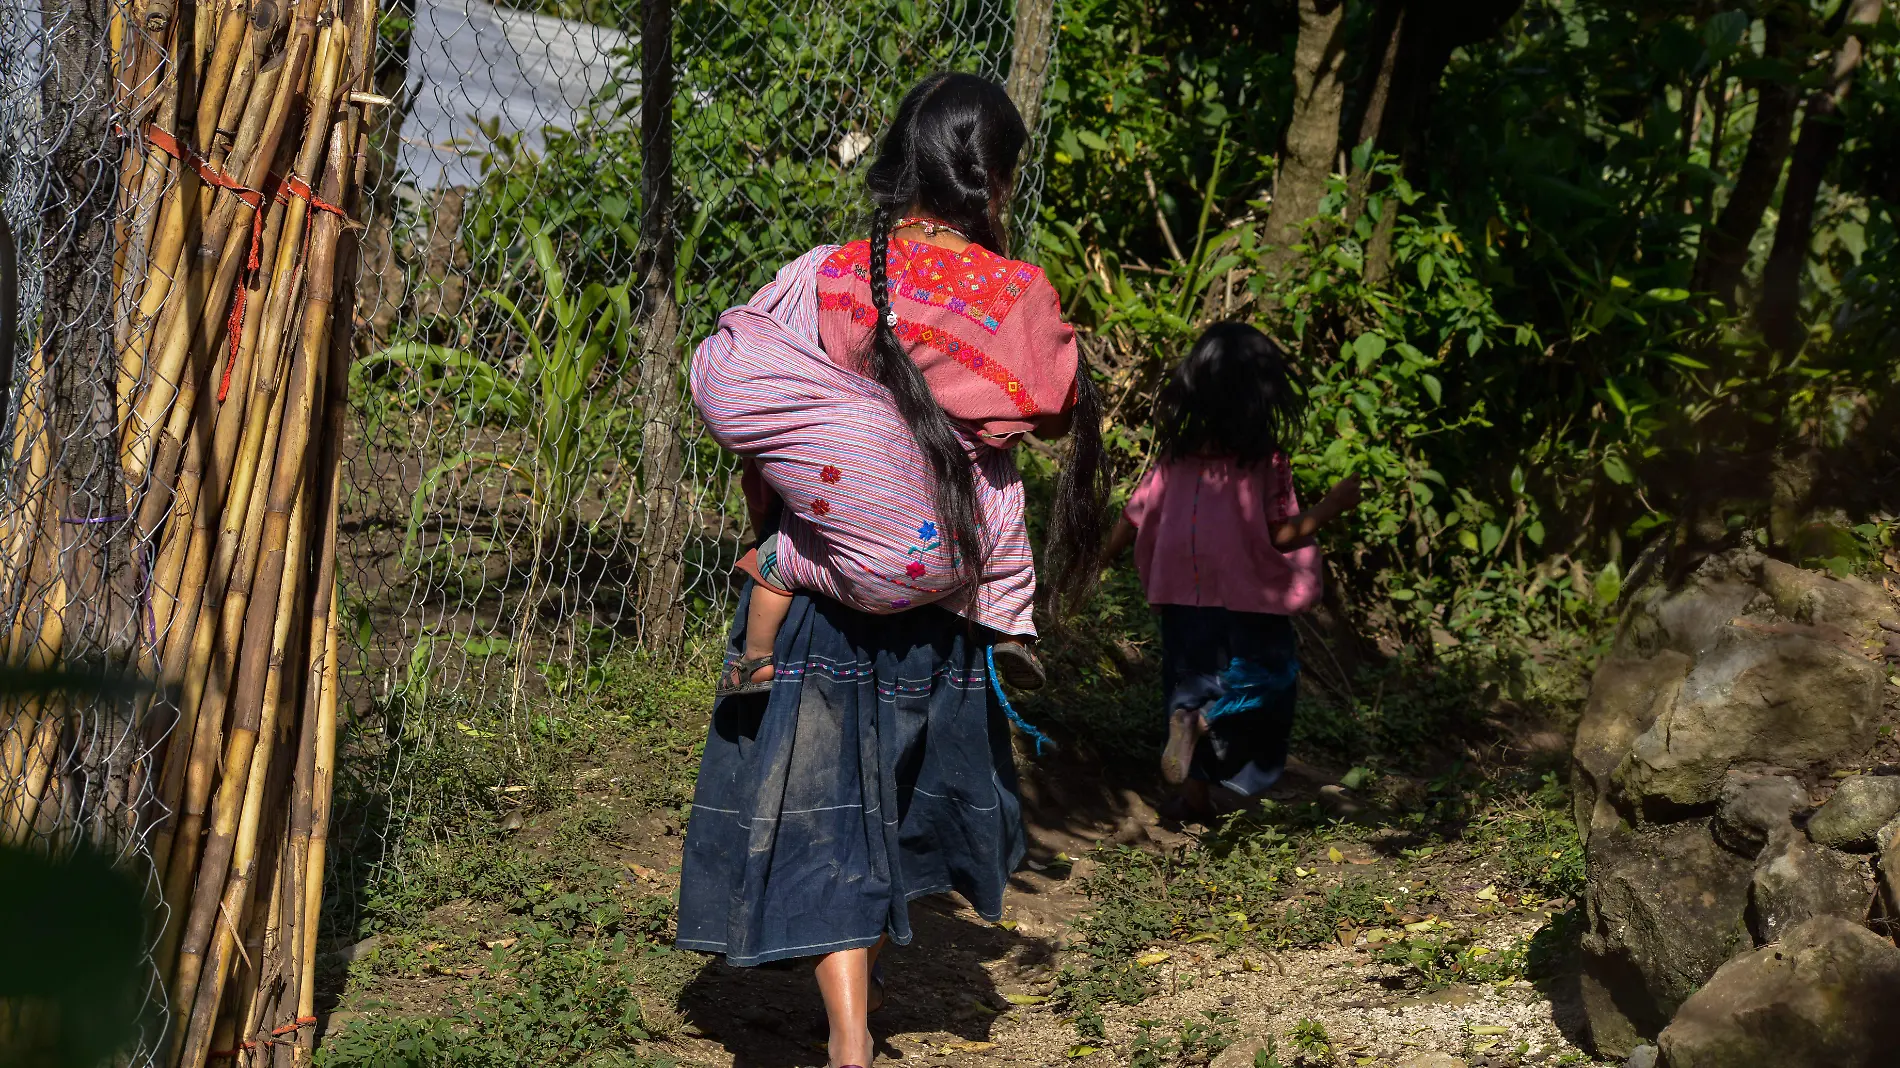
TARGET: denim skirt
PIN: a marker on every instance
(878, 769)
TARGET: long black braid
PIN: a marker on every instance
(951, 154)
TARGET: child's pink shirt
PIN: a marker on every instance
(1203, 537)
(986, 331)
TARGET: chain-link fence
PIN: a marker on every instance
(529, 494)
(546, 203)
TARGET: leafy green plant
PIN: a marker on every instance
(1312, 1043)
(549, 393)
(1437, 954)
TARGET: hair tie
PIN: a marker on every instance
(890, 317)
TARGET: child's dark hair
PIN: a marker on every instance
(1233, 396)
(951, 154)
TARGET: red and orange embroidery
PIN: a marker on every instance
(991, 369)
(979, 285)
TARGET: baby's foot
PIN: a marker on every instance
(748, 675)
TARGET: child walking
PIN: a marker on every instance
(1227, 558)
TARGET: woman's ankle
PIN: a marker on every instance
(846, 1050)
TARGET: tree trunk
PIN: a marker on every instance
(76, 326)
(662, 557)
(1424, 40)
(9, 319)
(1820, 141)
(1312, 135)
(1724, 248)
(1032, 54)
(1386, 35)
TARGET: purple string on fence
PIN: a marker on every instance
(145, 574)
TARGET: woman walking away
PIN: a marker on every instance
(1227, 558)
(857, 758)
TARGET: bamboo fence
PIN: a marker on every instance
(233, 356)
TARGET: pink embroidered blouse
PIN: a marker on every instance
(986, 331)
(1202, 537)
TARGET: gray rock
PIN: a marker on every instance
(1860, 807)
(1643, 1056)
(1753, 807)
(1890, 869)
(1626, 696)
(1886, 834)
(1692, 620)
(1822, 998)
(1783, 699)
(1852, 604)
(1431, 1060)
(1241, 1053)
(1796, 880)
(1666, 909)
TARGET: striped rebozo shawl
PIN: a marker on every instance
(858, 525)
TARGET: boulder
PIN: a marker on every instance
(1854, 605)
(1783, 699)
(1667, 907)
(1796, 880)
(1823, 997)
(1754, 806)
(1692, 620)
(1643, 1056)
(1860, 807)
(1626, 696)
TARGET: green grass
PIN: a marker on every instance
(552, 953)
(1268, 880)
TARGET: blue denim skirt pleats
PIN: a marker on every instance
(877, 770)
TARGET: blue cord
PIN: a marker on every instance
(996, 683)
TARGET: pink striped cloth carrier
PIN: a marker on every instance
(858, 523)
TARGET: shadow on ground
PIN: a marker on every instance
(771, 1016)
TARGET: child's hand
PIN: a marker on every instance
(1344, 496)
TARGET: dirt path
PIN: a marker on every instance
(967, 992)
(971, 993)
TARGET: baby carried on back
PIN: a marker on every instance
(834, 474)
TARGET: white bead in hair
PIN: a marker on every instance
(890, 317)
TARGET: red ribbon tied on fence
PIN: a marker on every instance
(276, 187)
